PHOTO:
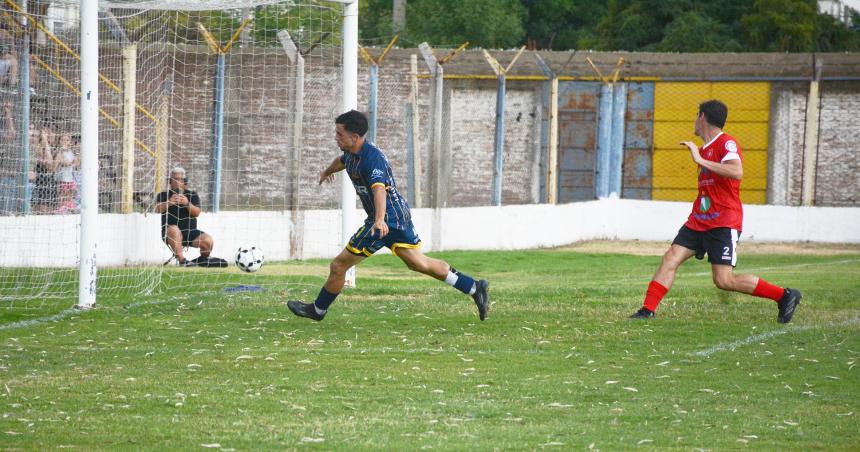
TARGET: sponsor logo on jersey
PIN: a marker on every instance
(706, 216)
(704, 204)
(376, 173)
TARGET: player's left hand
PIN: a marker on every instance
(181, 200)
(325, 177)
(694, 150)
(380, 226)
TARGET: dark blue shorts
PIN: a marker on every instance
(363, 243)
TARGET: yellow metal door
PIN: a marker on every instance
(676, 105)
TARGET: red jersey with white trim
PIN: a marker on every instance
(719, 202)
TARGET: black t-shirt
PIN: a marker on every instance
(179, 215)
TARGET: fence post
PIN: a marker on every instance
(604, 138)
(552, 127)
(372, 107)
(218, 120)
(129, 69)
(412, 136)
(499, 136)
(217, 134)
(24, 83)
(371, 103)
(810, 142)
(297, 104)
(440, 188)
(499, 141)
(610, 133)
(616, 146)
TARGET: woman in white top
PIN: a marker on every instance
(66, 161)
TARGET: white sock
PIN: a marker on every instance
(473, 289)
(451, 279)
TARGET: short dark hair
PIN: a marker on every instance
(353, 121)
(715, 112)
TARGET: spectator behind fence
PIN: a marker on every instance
(45, 184)
(67, 160)
(8, 61)
(9, 167)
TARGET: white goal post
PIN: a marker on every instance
(87, 270)
(122, 91)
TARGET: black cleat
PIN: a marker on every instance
(643, 313)
(787, 304)
(304, 310)
(482, 298)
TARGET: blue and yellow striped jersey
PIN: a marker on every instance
(369, 168)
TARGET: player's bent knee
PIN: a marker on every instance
(724, 283)
(337, 267)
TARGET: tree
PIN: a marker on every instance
(833, 36)
(694, 32)
(635, 25)
(561, 24)
(781, 25)
(484, 23)
(626, 26)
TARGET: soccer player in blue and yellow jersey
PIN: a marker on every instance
(388, 223)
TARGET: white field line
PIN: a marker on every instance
(68, 312)
(53, 318)
(731, 346)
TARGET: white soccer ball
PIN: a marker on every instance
(249, 258)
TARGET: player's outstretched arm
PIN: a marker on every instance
(327, 175)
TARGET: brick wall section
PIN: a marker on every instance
(472, 145)
(838, 175)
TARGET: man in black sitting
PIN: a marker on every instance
(179, 209)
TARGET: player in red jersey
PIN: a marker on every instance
(716, 221)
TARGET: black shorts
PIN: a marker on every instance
(188, 235)
(721, 244)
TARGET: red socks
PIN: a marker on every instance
(654, 295)
(765, 289)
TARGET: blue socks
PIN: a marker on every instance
(324, 300)
(461, 281)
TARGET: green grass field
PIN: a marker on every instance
(402, 362)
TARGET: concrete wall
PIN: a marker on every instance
(134, 239)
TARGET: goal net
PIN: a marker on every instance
(240, 94)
